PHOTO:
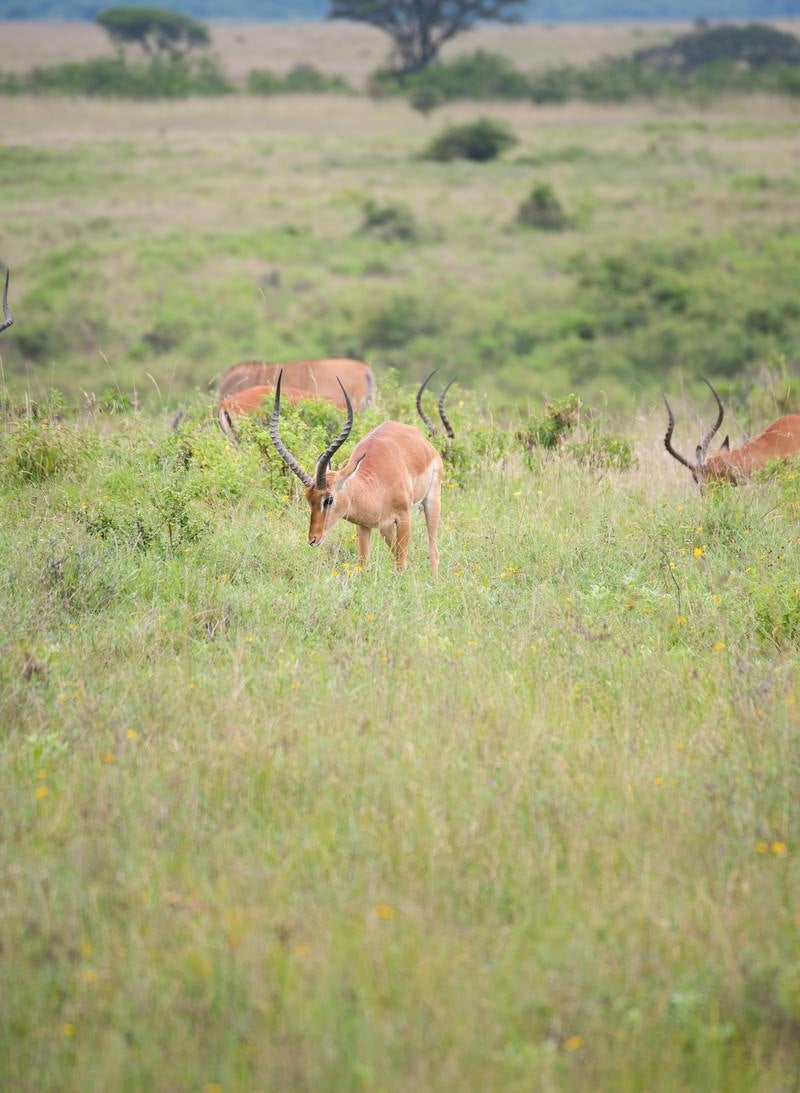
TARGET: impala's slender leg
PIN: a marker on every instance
(387, 531)
(432, 507)
(401, 539)
(364, 542)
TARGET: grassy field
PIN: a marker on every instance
(268, 821)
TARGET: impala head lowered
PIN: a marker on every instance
(701, 471)
(448, 428)
(326, 491)
(8, 318)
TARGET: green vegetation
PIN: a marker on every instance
(480, 141)
(542, 209)
(389, 220)
(302, 79)
(114, 77)
(274, 822)
(157, 32)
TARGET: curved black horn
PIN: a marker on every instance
(668, 437)
(448, 428)
(323, 461)
(431, 427)
(714, 428)
(8, 318)
(283, 451)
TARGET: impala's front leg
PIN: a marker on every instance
(364, 542)
(403, 523)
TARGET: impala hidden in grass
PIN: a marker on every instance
(389, 471)
(780, 440)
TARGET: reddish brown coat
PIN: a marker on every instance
(318, 378)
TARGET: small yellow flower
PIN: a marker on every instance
(371, 618)
(108, 757)
(762, 848)
(698, 552)
(778, 848)
(759, 712)
(517, 493)
(679, 745)
(68, 1029)
(681, 620)
(89, 976)
(659, 781)
(472, 644)
(698, 529)
(679, 508)
(748, 569)
(384, 658)
(86, 948)
(132, 734)
(573, 1043)
(191, 686)
(384, 911)
(335, 573)
(302, 951)
(295, 684)
(214, 1087)
(41, 792)
(718, 646)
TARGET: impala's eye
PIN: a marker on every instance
(327, 502)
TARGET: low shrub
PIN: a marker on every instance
(114, 77)
(389, 221)
(480, 141)
(542, 209)
(550, 429)
(480, 75)
(604, 451)
(301, 80)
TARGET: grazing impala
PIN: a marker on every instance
(319, 379)
(8, 318)
(393, 468)
(780, 440)
(448, 428)
(249, 401)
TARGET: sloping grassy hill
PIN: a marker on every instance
(272, 822)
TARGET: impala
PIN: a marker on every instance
(8, 318)
(248, 401)
(391, 469)
(319, 379)
(448, 428)
(780, 440)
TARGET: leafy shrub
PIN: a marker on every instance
(34, 450)
(389, 221)
(604, 451)
(479, 141)
(752, 46)
(303, 79)
(114, 77)
(393, 323)
(551, 428)
(542, 209)
(478, 76)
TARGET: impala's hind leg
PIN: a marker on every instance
(432, 507)
(401, 539)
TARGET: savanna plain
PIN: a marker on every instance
(269, 820)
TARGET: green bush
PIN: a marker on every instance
(604, 451)
(542, 209)
(550, 429)
(114, 77)
(477, 76)
(303, 79)
(479, 141)
(389, 221)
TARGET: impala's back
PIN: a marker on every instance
(318, 377)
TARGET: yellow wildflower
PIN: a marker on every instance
(41, 792)
(384, 911)
(68, 1029)
(762, 848)
(698, 552)
(778, 848)
(718, 646)
(573, 1043)
(89, 976)
(681, 620)
(108, 758)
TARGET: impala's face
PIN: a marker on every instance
(325, 510)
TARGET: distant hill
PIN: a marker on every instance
(305, 10)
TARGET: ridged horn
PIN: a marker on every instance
(322, 463)
(668, 437)
(282, 450)
(714, 428)
(8, 318)
(448, 428)
(431, 427)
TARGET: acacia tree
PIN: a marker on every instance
(419, 28)
(155, 30)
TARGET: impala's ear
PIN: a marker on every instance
(698, 455)
(343, 479)
(725, 446)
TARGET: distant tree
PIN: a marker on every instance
(155, 30)
(419, 28)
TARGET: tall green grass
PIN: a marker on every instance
(273, 822)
